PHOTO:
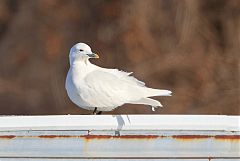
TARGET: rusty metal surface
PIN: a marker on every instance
(66, 159)
(123, 143)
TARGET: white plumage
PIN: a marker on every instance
(90, 86)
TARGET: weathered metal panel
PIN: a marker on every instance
(111, 146)
(120, 122)
(124, 137)
(46, 159)
(65, 159)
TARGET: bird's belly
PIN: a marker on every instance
(88, 98)
(75, 97)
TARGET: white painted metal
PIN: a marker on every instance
(123, 122)
(107, 137)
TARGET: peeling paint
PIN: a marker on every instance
(228, 137)
(55, 136)
(121, 137)
(188, 137)
(7, 136)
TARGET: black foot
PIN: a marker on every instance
(95, 112)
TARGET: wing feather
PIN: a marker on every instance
(125, 76)
(105, 89)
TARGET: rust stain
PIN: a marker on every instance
(85, 136)
(91, 137)
(56, 136)
(186, 137)
(7, 136)
(121, 137)
(140, 136)
(227, 137)
(97, 137)
(191, 137)
(101, 136)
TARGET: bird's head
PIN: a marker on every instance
(81, 52)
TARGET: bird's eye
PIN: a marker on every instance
(81, 50)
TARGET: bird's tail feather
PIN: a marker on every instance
(148, 101)
(150, 92)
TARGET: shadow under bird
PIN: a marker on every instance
(100, 89)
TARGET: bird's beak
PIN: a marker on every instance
(93, 55)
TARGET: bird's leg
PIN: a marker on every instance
(95, 111)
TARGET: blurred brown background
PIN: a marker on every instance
(190, 47)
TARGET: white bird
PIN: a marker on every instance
(100, 89)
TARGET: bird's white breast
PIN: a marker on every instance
(74, 84)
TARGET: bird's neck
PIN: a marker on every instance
(81, 68)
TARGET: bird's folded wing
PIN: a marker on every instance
(107, 89)
(126, 76)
